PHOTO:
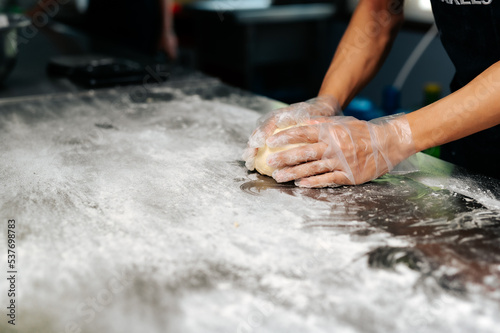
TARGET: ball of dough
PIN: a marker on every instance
(261, 159)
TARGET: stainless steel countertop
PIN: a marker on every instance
(135, 213)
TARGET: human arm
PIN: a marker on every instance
(168, 38)
(471, 109)
(350, 151)
(357, 59)
(291, 115)
(363, 48)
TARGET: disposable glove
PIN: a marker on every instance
(288, 116)
(341, 150)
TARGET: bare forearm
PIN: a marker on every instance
(168, 39)
(167, 14)
(363, 48)
(471, 109)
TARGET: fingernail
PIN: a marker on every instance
(279, 176)
(284, 175)
(250, 164)
(300, 183)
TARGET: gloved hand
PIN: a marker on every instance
(291, 115)
(341, 150)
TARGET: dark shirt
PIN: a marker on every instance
(470, 33)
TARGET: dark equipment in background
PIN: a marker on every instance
(277, 51)
(94, 71)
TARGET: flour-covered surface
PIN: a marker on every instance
(140, 217)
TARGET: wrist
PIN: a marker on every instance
(393, 139)
(341, 97)
(329, 103)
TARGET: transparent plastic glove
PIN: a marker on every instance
(341, 150)
(294, 114)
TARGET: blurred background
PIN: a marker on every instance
(277, 48)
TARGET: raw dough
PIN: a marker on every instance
(261, 159)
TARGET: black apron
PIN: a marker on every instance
(470, 33)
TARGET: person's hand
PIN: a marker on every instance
(294, 114)
(168, 43)
(341, 150)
